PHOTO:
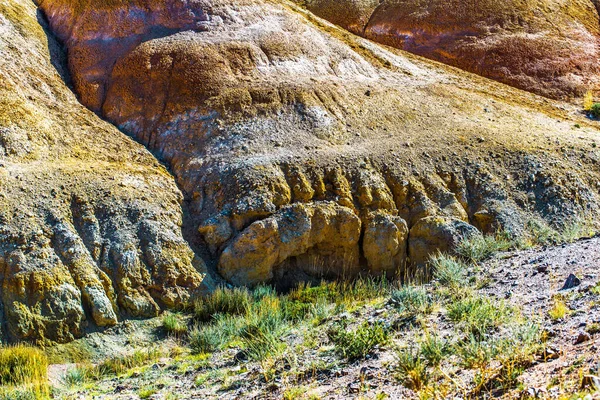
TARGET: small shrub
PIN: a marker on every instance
(412, 301)
(595, 110)
(449, 271)
(593, 328)
(476, 352)
(207, 339)
(26, 368)
(517, 351)
(434, 349)
(174, 324)
(235, 301)
(259, 343)
(146, 392)
(411, 368)
(479, 247)
(354, 345)
(479, 315)
(294, 393)
(514, 352)
(559, 309)
(12, 393)
(540, 233)
(79, 375)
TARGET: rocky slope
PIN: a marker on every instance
(549, 47)
(299, 145)
(90, 222)
(302, 151)
(560, 363)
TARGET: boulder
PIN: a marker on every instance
(385, 245)
(324, 229)
(431, 235)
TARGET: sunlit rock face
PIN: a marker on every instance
(90, 222)
(303, 151)
(294, 150)
(549, 47)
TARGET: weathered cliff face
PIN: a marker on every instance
(301, 151)
(90, 222)
(304, 151)
(549, 47)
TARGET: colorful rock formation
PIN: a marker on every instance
(301, 151)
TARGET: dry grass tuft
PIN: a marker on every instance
(24, 368)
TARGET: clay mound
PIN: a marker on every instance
(304, 151)
(549, 47)
(90, 222)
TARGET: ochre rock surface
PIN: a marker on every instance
(90, 222)
(549, 47)
(302, 151)
(437, 234)
(305, 151)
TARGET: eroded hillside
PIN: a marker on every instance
(549, 47)
(90, 222)
(302, 152)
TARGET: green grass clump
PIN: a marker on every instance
(14, 393)
(342, 292)
(449, 271)
(479, 315)
(576, 230)
(113, 366)
(25, 368)
(559, 309)
(259, 343)
(411, 368)
(539, 233)
(434, 349)
(593, 328)
(174, 324)
(256, 320)
(514, 351)
(517, 351)
(412, 301)
(117, 365)
(206, 339)
(475, 351)
(223, 301)
(120, 364)
(357, 344)
(263, 328)
(147, 392)
(479, 247)
(78, 375)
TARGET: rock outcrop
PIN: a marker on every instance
(301, 151)
(549, 47)
(305, 150)
(90, 222)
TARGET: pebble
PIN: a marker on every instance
(542, 268)
(353, 388)
(571, 282)
(582, 337)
